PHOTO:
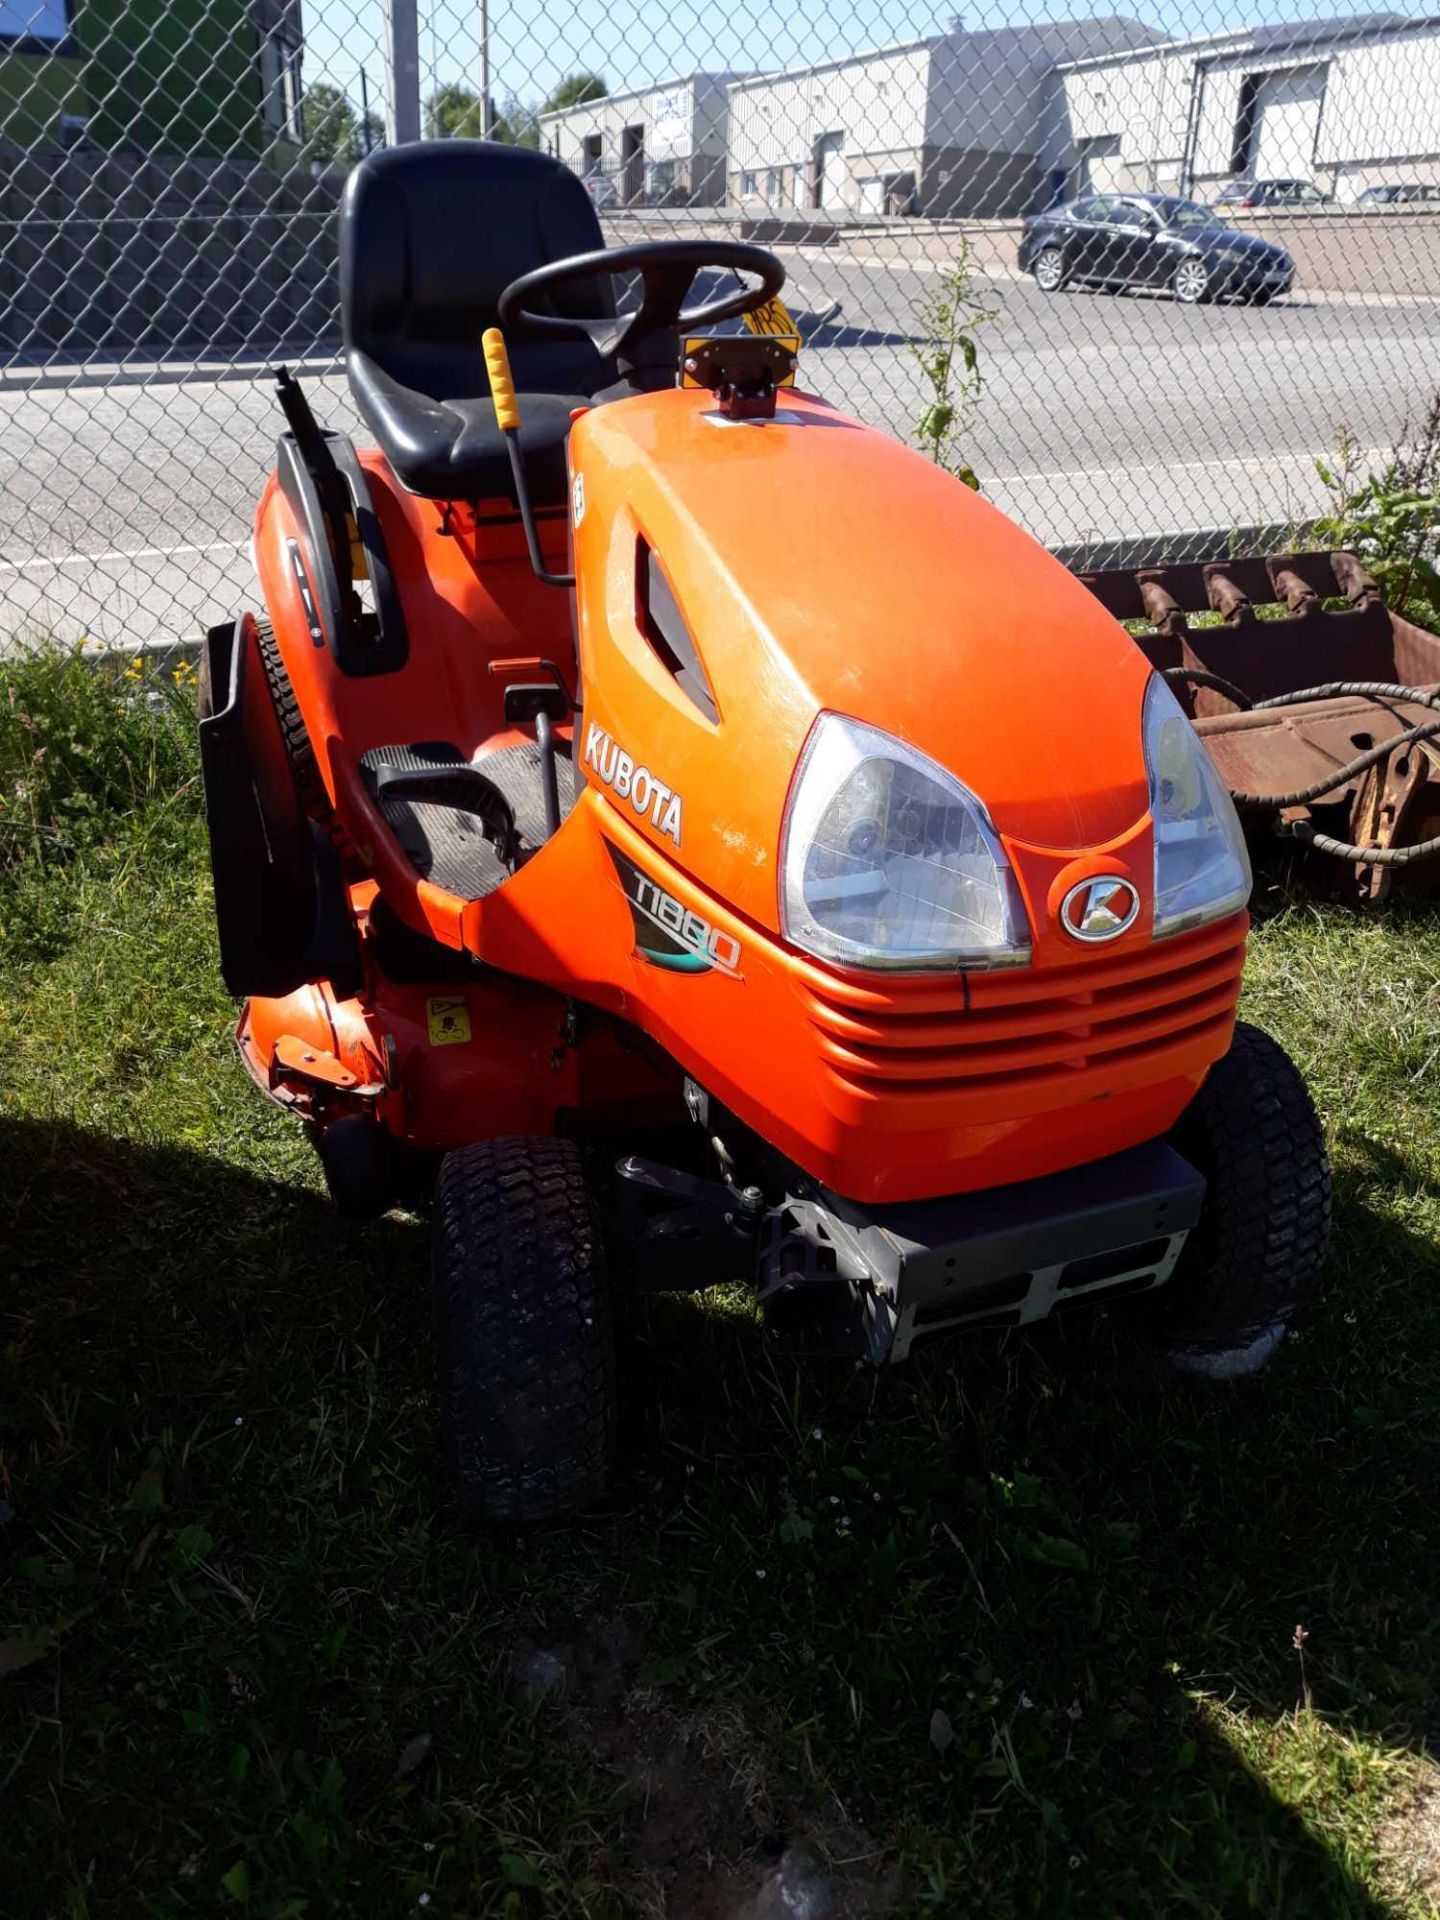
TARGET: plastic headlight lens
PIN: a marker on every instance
(1202, 870)
(889, 862)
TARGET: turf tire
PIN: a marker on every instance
(299, 752)
(523, 1332)
(1257, 1251)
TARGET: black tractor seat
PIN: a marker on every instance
(465, 824)
(431, 234)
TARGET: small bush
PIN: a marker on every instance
(949, 318)
(84, 746)
(1390, 516)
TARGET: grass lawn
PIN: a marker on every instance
(1007, 1632)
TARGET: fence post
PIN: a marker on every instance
(402, 72)
(485, 125)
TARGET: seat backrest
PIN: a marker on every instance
(432, 233)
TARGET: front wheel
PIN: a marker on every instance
(1191, 283)
(1260, 1243)
(1050, 270)
(522, 1310)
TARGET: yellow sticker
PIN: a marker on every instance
(790, 340)
(448, 1018)
(773, 317)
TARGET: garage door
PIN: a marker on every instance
(1287, 121)
(1102, 169)
(830, 168)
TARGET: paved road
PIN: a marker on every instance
(125, 509)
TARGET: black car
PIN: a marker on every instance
(1152, 240)
(1409, 193)
(1271, 193)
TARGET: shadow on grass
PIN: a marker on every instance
(1022, 1612)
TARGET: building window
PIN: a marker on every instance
(748, 185)
(281, 88)
(293, 90)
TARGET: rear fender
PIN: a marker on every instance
(280, 908)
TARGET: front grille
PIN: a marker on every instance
(1024, 1028)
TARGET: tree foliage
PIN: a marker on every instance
(574, 91)
(453, 113)
(333, 133)
(517, 122)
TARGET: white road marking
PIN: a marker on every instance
(1259, 461)
(1127, 471)
(1301, 296)
(118, 553)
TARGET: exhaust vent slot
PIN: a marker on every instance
(658, 615)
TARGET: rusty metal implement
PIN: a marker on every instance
(1324, 718)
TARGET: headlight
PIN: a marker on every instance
(888, 861)
(1202, 870)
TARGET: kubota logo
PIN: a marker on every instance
(650, 798)
(1099, 909)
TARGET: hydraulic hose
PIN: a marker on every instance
(1202, 677)
(1372, 756)
(1367, 856)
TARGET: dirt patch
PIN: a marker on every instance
(1409, 1842)
(707, 1838)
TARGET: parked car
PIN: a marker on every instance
(601, 189)
(1409, 193)
(1272, 193)
(1152, 240)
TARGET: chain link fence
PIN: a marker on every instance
(170, 171)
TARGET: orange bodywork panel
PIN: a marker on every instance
(819, 567)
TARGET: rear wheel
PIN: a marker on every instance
(526, 1360)
(1191, 283)
(1252, 1130)
(299, 752)
(1050, 270)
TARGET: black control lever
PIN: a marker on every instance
(507, 416)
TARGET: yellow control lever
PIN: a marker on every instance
(502, 381)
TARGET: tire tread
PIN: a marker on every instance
(1262, 1237)
(524, 1339)
(298, 750)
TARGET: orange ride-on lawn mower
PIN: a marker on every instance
(711, 844)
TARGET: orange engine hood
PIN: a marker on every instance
(820, 565)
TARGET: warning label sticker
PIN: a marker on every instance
(448, 1018)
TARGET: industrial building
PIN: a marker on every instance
(656, 146)
(957, 123)
(1344, 104)
(162, 78)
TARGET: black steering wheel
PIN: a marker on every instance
(666, 269)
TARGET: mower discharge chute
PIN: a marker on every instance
(1323, 723)
(767, 909)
